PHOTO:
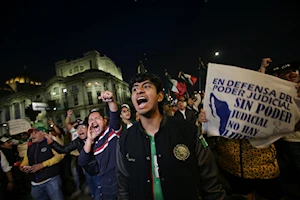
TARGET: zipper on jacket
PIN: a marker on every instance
(35, 161)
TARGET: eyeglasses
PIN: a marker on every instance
(81, 127)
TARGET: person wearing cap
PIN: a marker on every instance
(101, 142)
(75, 169)
(5, 168)
(91, 168)
(125, 115)
(41, 163)
(290, 142)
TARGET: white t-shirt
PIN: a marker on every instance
(4, 163)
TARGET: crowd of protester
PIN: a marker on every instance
(153, 149)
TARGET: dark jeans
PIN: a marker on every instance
(107, 186)
(92, 183)
(49, 190)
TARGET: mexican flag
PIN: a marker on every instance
(187, 78)
(179, 88)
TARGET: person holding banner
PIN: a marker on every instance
(291, 142)
(249, 170)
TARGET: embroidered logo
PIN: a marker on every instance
(44, 149)
(129, 159)
(181, 152)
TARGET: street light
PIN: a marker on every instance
(65, 91)
(217, 53)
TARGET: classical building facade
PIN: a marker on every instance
(76, 86)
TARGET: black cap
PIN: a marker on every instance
(283, 67)
(85, 122)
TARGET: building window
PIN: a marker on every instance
(55, 91)
(90, 98)
(17, 111)
(7, 115)
(116, 92)
(91, 67)
(76, 69)
(81, 68)
(75, 100)
(74, 88)
(98, 94)
(105, 86)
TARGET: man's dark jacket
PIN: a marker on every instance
(190, 115)
(91, 167)
(187, 168)
(39, 152)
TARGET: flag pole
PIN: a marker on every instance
(199, 69)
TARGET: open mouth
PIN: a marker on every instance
(80, 133)
(96, 127)
(141, 100)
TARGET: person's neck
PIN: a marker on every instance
(151, 123)
(126, 121)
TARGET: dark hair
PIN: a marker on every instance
(95, 110)
(138, 78)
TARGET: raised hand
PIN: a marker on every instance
(202, 116)
(106, 96)
(265, 62)
(91, 134)
(69, 112)
(49, 138)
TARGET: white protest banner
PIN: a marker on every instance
(245, 104)
(17, 126)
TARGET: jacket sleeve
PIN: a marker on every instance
(122, 175)
(64, 149)
(84, 157)
(54, 160)
(210, 187)
(115, 121)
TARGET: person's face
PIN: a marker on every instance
(175, 107)
(37, 136)
(190, 101)
(97, 122)
(290, 75)
(180, 105)
(145, 98)
(7, 145)
(125, 113)
(82, 131)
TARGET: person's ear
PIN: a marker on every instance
(161, 96)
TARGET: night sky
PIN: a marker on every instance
(173, 34)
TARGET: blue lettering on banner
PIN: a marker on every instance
(270, 104)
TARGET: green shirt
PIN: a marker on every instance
(157, 191)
